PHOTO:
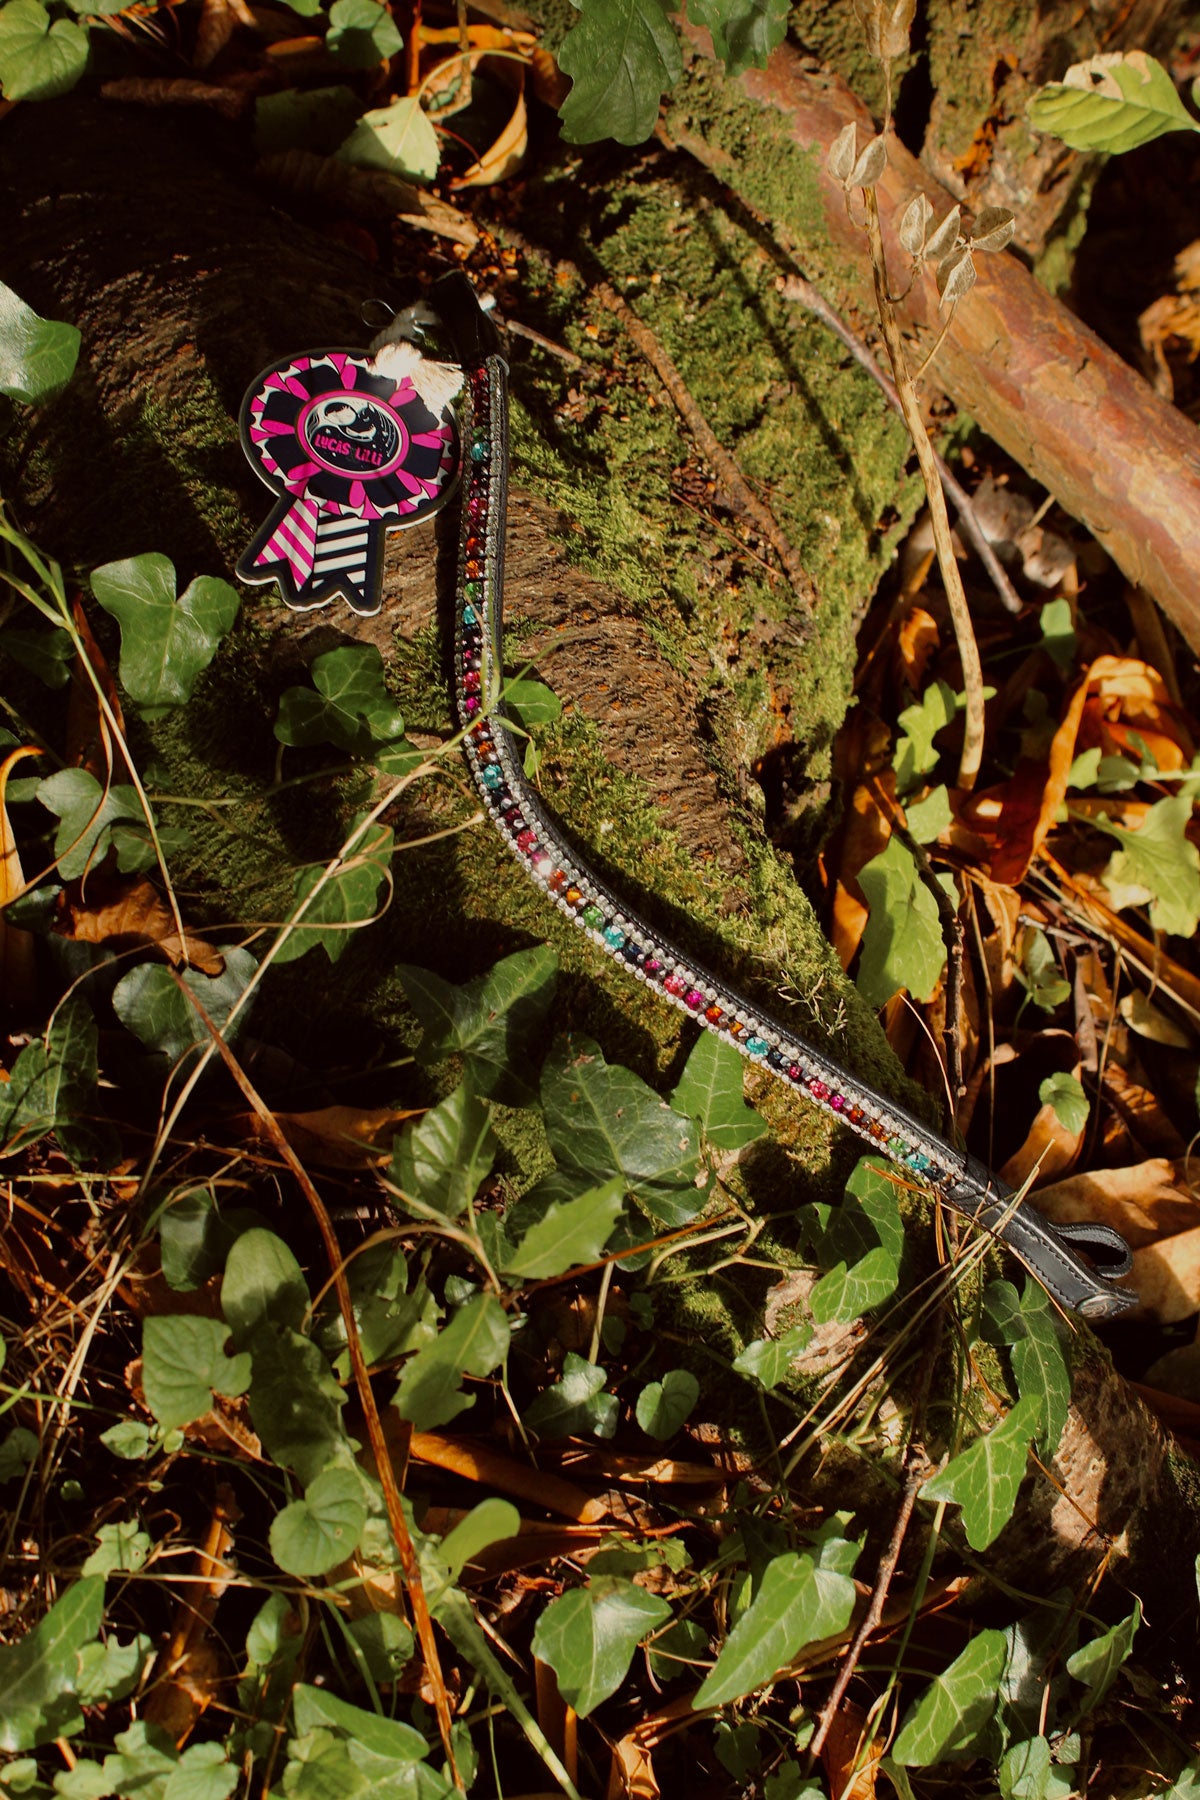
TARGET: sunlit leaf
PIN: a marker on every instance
(150, 1002)
(90, 819)
(710, 1090)
(902, 943)
(184, 1364)
(1096, 1664)
(313, 1535)
(1158, 866)
(38, 1672)
(861, 1244)
(1112, 102)
(570, 1233)
(348, 704)
(361, 33)
(398, 137)
(120, 1546)
(39, 60)
(621, 56)
(263, 1283)
(662, 1406)
(52, 1087)
(767, 1360)
(798, 1602)
(1064, 1092)
(956, 1708)
(985, 1477)
(1039, 1364)
(588, 1637)
(167, 640)
(37, 356)
(474, 1343)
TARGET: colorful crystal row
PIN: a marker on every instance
(523, 824)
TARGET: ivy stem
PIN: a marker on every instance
(964, 632)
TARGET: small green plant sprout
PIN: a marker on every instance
(1113, 103)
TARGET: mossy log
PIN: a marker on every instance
(185, 282)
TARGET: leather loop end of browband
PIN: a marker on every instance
(474, 333)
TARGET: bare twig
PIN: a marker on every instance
(794, 287)
(964, 632)
(544, 343)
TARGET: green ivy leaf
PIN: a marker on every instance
(263, 1284)
(110, 1670)
(744, 32)
(348, 704)
(1024, 1770)
(1039, 1365)
(902, 944)
(184, 1364)
(123, 1546)
(588, 1637)
(167, 640)
(145, 1757)
(474, 1343)
(604, 1121)
(495, 1021)
(491, 1522)
(1096, 1664)
(313, 1535)
(534, 704)
(37, 61)
(1113, 102)
(1058, 633)
(575, 1404)
(768, 1360)
(956, 1708)
(568, 1234)
(361, 33)
(798, 1602)
(621, 56)
(129, 1439)
(710, 1089)
(860, 1246)
(148, 1001)
(92, 819)
(52, 1087)
(662, 1406)
(399, 138)
(442, 1160)
(1064, 1092)
(348, 899)
(985, 1477)
(1159, 866)
(920, 724)
(391, 1320)
(37, 356)
(1186, 1785)
(195, 1237)
(38, 1672)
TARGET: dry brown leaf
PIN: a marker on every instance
(631, 1774)
(1166, 1278)
(1017, 816)
(1127, 698)
(1142, 1016)
(134, 914)
(916, 642)
(478, 1462)
(336, 1137)
(558, 1720)
(840, 1753)
(16, 946)
(1144, 1203)
(549, 83)
(1050, 1147)
(89, 737)
(186, 1675)
(865, 834)
(504, 156)
(1141, 1114)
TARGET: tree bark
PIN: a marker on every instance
(1114, 454)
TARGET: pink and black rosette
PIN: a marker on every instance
(353, 455)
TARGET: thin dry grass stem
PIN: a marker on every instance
(385, 1470)
(964, 632)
